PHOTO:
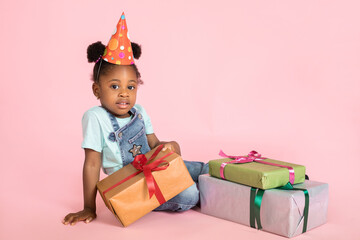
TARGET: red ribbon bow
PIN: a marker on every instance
(140, 163)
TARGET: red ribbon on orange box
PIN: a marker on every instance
(253, 157)
(140, 163)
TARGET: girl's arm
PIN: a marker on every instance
(153, 142)
(91, 173)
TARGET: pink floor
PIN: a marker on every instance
(33, 205)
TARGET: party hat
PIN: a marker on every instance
(119, 51)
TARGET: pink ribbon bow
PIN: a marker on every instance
(253, 157)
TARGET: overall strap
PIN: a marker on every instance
(115, 124)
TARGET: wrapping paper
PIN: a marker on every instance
(130, 200)
(281, 211)
(257, 174)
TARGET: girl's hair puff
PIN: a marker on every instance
(94, 54)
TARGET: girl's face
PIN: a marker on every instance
(117, 90)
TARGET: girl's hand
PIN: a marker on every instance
(173, 146)
(153, 142)
(86, 215)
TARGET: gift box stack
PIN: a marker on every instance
(140, 187)
(263, 193)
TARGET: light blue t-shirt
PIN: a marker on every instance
(97, 126)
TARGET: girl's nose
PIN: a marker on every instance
(123, 93)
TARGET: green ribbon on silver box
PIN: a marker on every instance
(256, 196)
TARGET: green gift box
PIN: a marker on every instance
(257, 174)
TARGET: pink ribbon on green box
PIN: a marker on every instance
(253, 157)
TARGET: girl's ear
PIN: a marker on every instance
(96, 90)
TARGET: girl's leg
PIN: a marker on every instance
(196, 168)
(183, 201)
(189, 197)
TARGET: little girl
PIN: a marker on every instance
(118, 130)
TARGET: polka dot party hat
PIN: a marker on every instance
(119, 51)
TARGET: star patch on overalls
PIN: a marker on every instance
(135, 150)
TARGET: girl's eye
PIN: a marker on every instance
(131, 87)
(114, 86)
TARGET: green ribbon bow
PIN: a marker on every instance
(256, 196)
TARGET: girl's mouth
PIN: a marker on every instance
(122, 105)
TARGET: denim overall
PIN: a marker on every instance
(132, 141)
(131, 138)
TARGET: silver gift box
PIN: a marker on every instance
(281, 211)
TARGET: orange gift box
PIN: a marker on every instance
(140, 187)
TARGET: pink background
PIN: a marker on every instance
(280, 77)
